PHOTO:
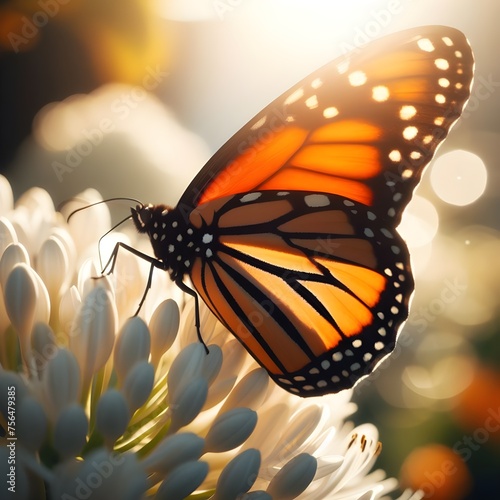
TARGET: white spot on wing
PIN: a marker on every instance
(312, 102)
(250, 197)
(294, 96)
(316, 83)
(380, 93)
(258, 123)
(426, 45)
(317, 200)
(357, 78)
(330, 112)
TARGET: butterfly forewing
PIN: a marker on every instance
(363, 126)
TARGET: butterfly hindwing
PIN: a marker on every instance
(315, 286)
(364, 126)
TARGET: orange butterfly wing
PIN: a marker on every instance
(316, 297)
(364, 126)
(292, 222)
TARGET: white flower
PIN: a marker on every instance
(116, 406)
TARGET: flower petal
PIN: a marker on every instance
(93, 333)
(6, 196)
(132, 346)
(101, 476)
(234, 356)
(36, 199)
(293, 478)
(43, 344)
(24, 279)
(15, 253)
(42, 310)
(297, 431)
(173, 451)
(164, 325)
(212, 363)
(230, 430)
(186, 367)
(87, 226)
(250, 391)
(238, 475)
(182, 481)
(112, 415)
(61, 382)
(187, 404)
(138, 385)
(7, 234)
(52, 266)
(70, 431)
(31, 423)
(20, 296)
(68, 306)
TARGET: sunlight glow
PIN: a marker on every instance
(445, 379)
(80, 129)
(420, 222)
(203, 10)
(459, 177)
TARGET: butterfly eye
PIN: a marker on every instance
(141, 215)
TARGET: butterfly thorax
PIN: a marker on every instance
(174, 240)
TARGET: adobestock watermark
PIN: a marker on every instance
(261, 134)
(403, 343)
(465, 449)
(373, 28)
(418, 321)
(436, 479)
(120, 109)
(482, 90)
(470, 443)
(31, 25)
(101, 470)
(223, 7)
(424, 316)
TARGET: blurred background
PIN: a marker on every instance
(131, 97)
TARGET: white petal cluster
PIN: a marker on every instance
(117, 406)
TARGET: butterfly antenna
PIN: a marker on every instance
(138, 202)
(105, 234)
(124, 198)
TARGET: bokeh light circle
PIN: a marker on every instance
(459, 177)
(420, 222)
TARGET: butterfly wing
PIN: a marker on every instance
(298, 254)
(315, 286)
(364, 126)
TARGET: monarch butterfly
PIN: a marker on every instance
(288, 233)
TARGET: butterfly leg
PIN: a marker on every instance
(191, 292)
(155, 263)
(159, 264)
(146, 290)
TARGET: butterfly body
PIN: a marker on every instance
(289, 233)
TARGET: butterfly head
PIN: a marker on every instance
(145, 216)
(156, 222)
(142, 215)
